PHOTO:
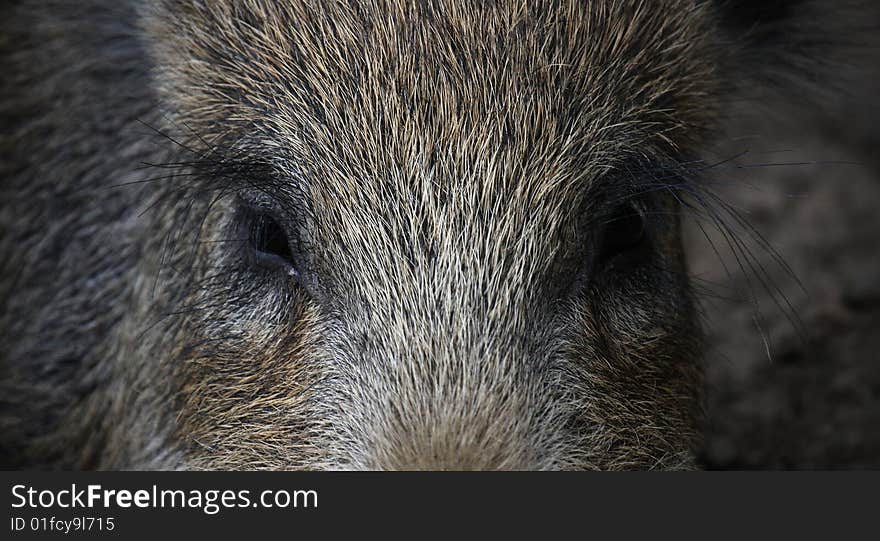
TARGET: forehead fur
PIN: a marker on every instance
(437, 73)
(395, 109)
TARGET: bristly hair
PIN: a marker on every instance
(780, 44)
(443, 151)
(216, 171)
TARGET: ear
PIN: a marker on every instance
(795, 42)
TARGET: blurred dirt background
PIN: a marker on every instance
(779, 397)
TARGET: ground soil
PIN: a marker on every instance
(797, 392)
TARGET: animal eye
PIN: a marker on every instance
(625, 232)
(271, 245)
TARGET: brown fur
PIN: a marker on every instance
(445, 172)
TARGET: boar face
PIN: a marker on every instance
(458, 233)
(437, 234)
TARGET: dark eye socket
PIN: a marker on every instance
(625, 231)
(271, 244)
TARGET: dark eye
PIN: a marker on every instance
(624, 233)
(271, 244)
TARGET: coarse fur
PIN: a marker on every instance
(446, 174)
